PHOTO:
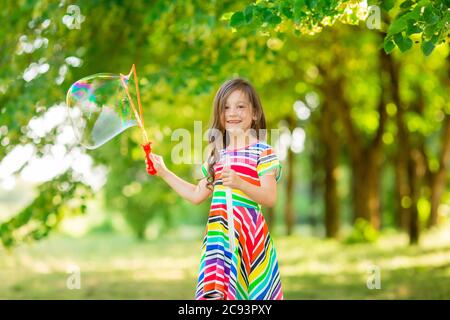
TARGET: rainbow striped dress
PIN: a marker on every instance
(251, 270)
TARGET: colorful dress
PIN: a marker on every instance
(251, 271)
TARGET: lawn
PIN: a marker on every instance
(115, 266)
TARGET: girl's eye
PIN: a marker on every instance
(226, 108)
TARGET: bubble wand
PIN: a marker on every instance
(230, 215)
(140, 119)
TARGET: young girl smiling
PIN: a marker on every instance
(238, 257)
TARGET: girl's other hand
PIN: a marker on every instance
(230, 178)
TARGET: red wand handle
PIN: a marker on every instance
(148, 149)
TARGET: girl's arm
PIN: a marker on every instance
(265, 195)
(193, 193)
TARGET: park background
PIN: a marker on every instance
(358, 91)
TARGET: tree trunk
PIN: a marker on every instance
(416, 171)
(289, 208)
(366, 190)
(316, 173)
(314, 189)
(402, 189)
(365, 157)
(330, 143)
(332, 218)
(438, 179)
(412, 165)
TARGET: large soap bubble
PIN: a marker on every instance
(99, 108)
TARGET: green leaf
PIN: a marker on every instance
(311, 3)
(287, 11)
(433, 19)
(274, 20)
(299, 10)
(412, 28)
(387, 4)
(398, 25)
(403, 43)
(237, 19)
(407, 4)
(398, 39)
(429, 16)
(226, 16)
(248, 14)
(389, 46)
(427, 47)
(429, 31)
(406, 44)
(401, 22)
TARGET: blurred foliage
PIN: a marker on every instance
(427, 19)
(362, 232)
(46, 211)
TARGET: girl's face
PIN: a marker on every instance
(238, 113)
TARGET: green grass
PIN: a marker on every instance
(118, 267)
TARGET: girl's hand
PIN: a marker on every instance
(158, 163)
(230, 178)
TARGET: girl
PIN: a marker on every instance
(240, 264)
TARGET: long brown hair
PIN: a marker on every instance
(217, 136)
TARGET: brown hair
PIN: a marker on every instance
(218, 113)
